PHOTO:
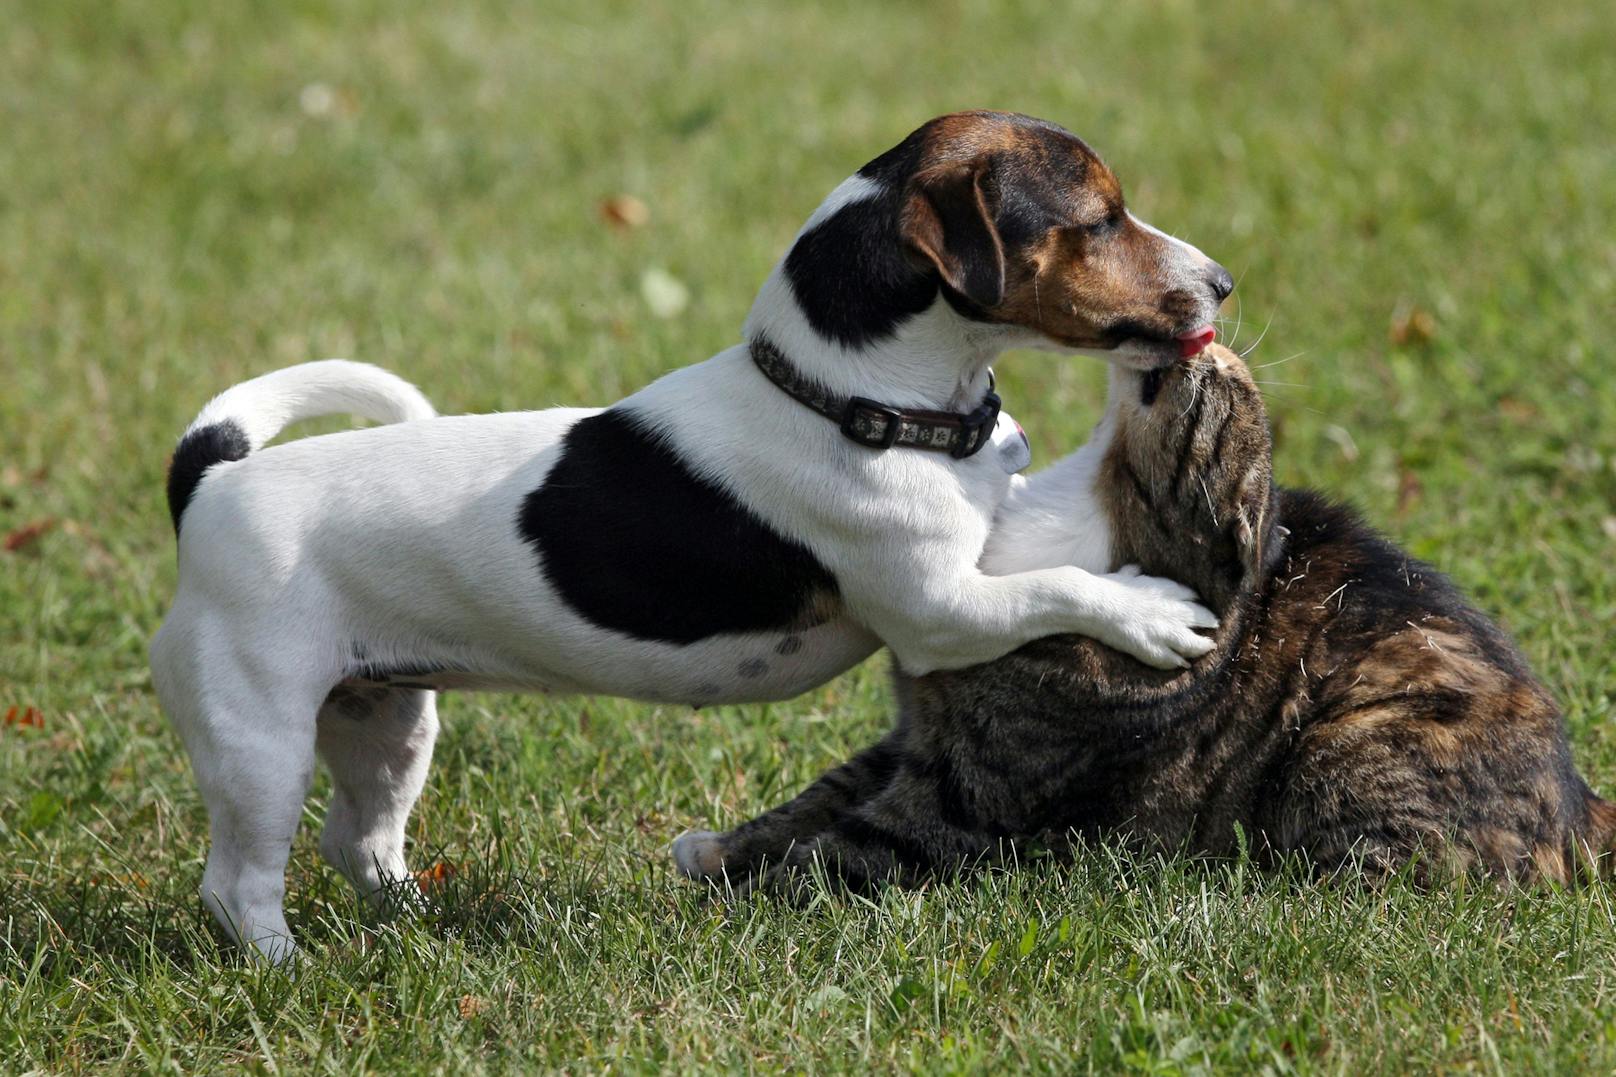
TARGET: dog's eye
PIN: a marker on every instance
(1104, 226)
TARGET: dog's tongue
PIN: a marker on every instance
(1195, 341)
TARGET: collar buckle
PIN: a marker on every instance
(976, 429)
(856, 425)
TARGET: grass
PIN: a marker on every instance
(1417, 200)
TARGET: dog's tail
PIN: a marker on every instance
(240, 419)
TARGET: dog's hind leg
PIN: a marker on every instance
(377, 743)
(248, 726)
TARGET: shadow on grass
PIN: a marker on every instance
(496, 900)
(57, 922)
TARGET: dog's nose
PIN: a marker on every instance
(1220, 282)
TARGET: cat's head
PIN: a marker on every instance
(1188, 478)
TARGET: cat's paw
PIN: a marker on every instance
(1155, 620)
(699, 854)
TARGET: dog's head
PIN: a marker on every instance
(1024, 225)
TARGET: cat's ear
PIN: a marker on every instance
(946, 221)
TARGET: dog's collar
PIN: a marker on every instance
(877, 426)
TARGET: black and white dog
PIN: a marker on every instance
(742, 529)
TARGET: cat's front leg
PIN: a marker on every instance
(913, 830)
(734, 856)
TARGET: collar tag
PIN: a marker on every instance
(1010, 442)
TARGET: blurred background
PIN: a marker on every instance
(521, 205)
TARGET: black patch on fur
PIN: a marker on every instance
(196, 452)
(851, 277)
(636, 543)
(851, 274)
(1150, 385)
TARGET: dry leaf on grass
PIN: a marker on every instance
(28, 534)
(1412, 325)
(12, 475)
(25, 717)
(436, 875)
(625, 212)
(1517, 411)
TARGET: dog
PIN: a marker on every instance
(742, 529)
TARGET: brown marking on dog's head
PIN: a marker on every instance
(1188, 479)
(1026, 226)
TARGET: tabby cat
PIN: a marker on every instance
(1355, 710)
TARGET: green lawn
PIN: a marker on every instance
(1418, 201)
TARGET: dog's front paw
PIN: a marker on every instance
(699, 854)
(1155, 620)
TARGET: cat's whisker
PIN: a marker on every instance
(1240, 311)
(1213, 509)
(1276, 362)
(1239, 318)
(1260, 337)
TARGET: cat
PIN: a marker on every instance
(1356, 710)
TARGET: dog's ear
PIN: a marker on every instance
(946, 221)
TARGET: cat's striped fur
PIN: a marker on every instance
(1356, 709)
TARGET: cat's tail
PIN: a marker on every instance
(239, 420)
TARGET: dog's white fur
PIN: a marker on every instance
(402, 536)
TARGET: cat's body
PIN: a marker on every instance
(1356, 708)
